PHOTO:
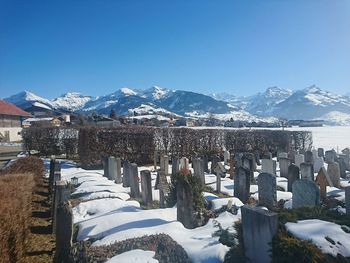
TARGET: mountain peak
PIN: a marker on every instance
(128, 92)
(312, 89)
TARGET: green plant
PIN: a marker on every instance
(226, 237)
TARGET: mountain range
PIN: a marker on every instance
(308, 104)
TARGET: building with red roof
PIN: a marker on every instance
(11, 118)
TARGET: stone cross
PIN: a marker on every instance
(134, 181)
(305, 193)
(259, 226)
(268, 166)
(184, 196)
(175, 165)
(284, 164)
(220, 172)
(293, 175)
(334, 174)
(323, 180)
(299, 158)
(126, 174)
(242, 184)
(307, 171)
(267, 190)
(146, 186)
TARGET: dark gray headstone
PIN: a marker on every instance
(214, 162)
(307, 171)
(126, 174)
(242, 184)
(293, 175)
(259, 226)
(320, 152)
(284, 164)
(347, 200)
(330, 156)
(134, 181)
(146, 186)
(248, 162)
(175, 165)
(342, 167)
(309, 157)
(164, 164)
(268, 166)
(334, 173)
(305, 193)
(118, 178)
(267, 190)
(185, 213)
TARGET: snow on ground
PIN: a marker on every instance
(329, 237)
(135, 256)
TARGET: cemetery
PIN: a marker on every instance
(187, 195)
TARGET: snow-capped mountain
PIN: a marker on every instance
(71, 101)
(306, 104)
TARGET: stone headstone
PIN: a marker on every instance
(299, 158)
(238, 159)
(118, 178)
(346, 159)
(126, 174)
(226, 157)
(267, 190)
(284, 164)
(268, 166)
(134, 181)
(242, 184)
(320, 152)
(318, 164)
(330, 156)
(248, 162)
(307, 171)
(220, 172)
(146, 186)
(112, 168)
(334, 173)
(347, 200)
(293, 175)
(305, 193)
(184, 165)
(314, 154)
(175, 165)
(323, 180)
(259, 226)
(185, 204)
(308, 157)
(214, 162)
(164, 164)
(342, 167)
(198, 169)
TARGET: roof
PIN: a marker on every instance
(7, 108)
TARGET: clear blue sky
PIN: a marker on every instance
(241, 47)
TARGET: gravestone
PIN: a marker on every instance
(268, 166)
(226, 157)
(214, 162)
(299, 158)
(164, 164)
(126, 174)
(146, 186)
(330, 156)
(346, 158)
(238, 160)
(307, 171)
(342, 167)
(305, 193)
(314, 154)
(308, 157)
(282, 155)
(323, 180)
(318, 164)
(163, 186)
(198, 169)
(320, 152)
(267, 190)
(220, 172)
(293, 175)
(118, 178)
(185, 204)
(175, 165)
(112, 168)
(347, 200)
(334, 173)
(284, 164)
(259, 226)
(249, 164)
(134, 181)
(184, 165)
(242, 184)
